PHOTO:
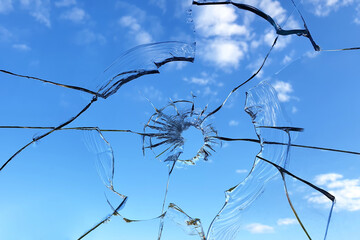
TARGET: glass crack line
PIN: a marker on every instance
(300, 32)
(319, 49)
(243, 83)
(217, 137)
(115, 76)
(322, 191)
(169, 51)
(107, 219)
(48, 133)
(51, 82)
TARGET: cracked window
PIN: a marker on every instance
(179, 120)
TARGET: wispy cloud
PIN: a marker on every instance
(160, 3)
(152, 93)
(198, 81)
(21, 47)
(324, 179)
(141, 36)
(76, 15)
(346, 191)
(204, 79)
(141, 27)
(39, 9)
(209, 91)
(283, 90)
(258, 228)
(273, 8)
(270, 36)
(323, 8)
(6, 6)
(87, 36)
(5, 34)
(357, 17)
(65, 3)
(240, 171)
(233, 123)
(286, 221)
(311, 54)
(287, 59)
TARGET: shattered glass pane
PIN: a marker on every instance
(191, 227)
(197, 103)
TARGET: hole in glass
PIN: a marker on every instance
(193, 141)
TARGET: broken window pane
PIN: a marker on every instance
(145, 147)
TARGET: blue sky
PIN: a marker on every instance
(52, 190)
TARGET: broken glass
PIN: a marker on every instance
(158, 185)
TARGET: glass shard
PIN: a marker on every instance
(263, 107)
(188, 117)
(191, 226)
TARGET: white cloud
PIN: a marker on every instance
(5, 6)
(269, 36)
(323, 8)
(225, 145)
(240, 171)
(141, 36)
(357, 17)
(141, 26)
(87, 36)
(233, 123)
(283, 90)
(206, 84)
(324, 179)
(219, 21)
(65, 3)
(357, 20)
(271, 7)
(131, 22)
(286, 59)
(179, 65)
(205, 79)
(75, 14)
(281, 43)
(222, 39)
(346, 192)
(21, 47)
(198, 81)
(275, 9)
(311, 54)
(258, 228)
(255, 43)
(39, 9)
(286, 221)
(224, 53)
(131, 9)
